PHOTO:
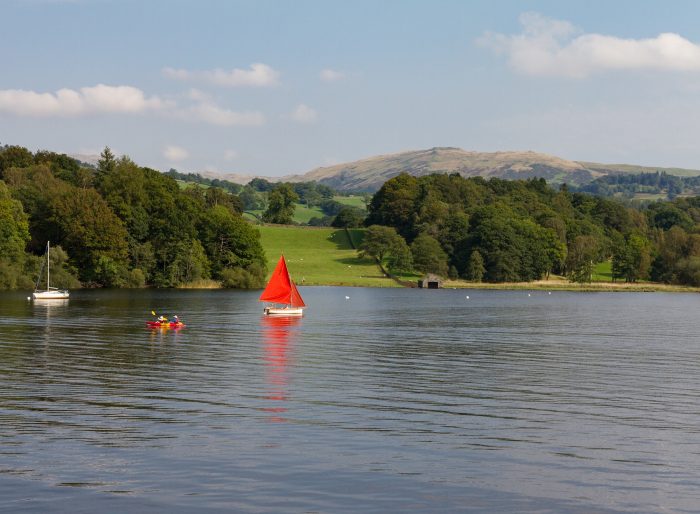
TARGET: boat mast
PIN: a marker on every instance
(48, 268)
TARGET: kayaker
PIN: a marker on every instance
(175, 319)
(163, 319)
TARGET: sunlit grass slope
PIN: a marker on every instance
(320, 256)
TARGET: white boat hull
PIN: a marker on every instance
(50, 295)
(284, 311)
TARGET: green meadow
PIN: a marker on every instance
(351, 200)
(321, 256)
(602, 272)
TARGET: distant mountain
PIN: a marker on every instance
(238, 178)
(369, 174)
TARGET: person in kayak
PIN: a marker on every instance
(162, 319)
(175, 319)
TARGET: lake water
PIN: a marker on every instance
(391, 400)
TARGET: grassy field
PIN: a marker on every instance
(321, 256)
(602, 272)
(352, 201)
(302, 213)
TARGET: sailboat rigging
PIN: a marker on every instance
(50, 293)
(281, 290)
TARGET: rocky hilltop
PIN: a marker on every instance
(369, 174)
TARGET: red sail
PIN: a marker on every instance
(281, 289)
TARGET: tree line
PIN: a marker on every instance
(627, 185)
(118, 225)
(510, 231)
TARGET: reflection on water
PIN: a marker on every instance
(278, 336)
(381, 401)
(44, 303)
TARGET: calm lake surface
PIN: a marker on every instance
(392, 400)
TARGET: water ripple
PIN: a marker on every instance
(392, 400)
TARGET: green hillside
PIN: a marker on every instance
(351, 200)
(321, 256)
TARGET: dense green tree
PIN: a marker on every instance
(93, 235)
(632, 260)
(400, 258)
(351, 217)
(330, 207)
(251, 199)
(14, 157)
(14, 227)
(428, 255)
(189, 263)
(14, 236)
(395, 203)
(216, 196)
(107, 161)
(688, 271)
(475, 267)
(513, 249)
(231, 242)
(379, 242)
(261, 185)
(672, 248)
(582, 255)
(666, 215)
(280, 207)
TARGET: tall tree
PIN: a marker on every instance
(428, 255)
(107, 161)
(280, 207)
(582, 255)
(475, 267)
(379, 242)
(395, 203)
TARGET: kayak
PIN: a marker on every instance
(166, 324)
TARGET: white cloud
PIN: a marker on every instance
(209, 112)
(175, 153)
(259, 75)
(102, 99)
(230, 155)
(548, 47)
(87, 100)
(304, 114)
(329, 75)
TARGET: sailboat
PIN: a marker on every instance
(51, 293)
(281, 290)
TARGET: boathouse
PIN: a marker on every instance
(430, 281)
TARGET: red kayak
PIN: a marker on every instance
(165, 324)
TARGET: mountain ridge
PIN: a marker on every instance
(369, 173)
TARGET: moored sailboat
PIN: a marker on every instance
(281, 290)
(50, 293)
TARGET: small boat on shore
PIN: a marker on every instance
(50, 293)
(282, 293)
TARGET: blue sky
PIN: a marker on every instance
(279, 87)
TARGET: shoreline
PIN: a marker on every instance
(539, 285)
(564, 285)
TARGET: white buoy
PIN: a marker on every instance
(347, 297)
(467, 297)
(528, 294)
(549, 292)
(29, 297)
